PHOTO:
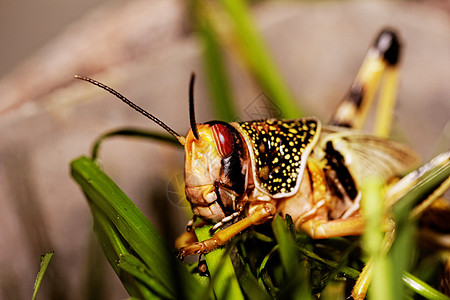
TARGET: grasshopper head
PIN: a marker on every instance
(216, 161)
(216, 170)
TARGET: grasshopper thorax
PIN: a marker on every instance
(216, 170)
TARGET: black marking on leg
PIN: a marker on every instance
(356, 95)
(351, 105)
(388, 44)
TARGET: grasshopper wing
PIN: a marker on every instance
(367, 155)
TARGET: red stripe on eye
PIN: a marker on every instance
(223, 139)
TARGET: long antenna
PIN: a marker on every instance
(191, 107)
(180, 138)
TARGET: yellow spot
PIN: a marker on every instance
(287, 156)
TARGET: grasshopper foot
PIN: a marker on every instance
(198, 248)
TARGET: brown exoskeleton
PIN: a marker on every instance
(243, 174)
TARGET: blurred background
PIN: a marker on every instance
(147, 50)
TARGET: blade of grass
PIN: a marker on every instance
(410, 281)
(113, 247)
(288, 252)
(251, 287)
(134, 228)
(132, 132)
(45, 261)
(244, 262)
(426, 179)
(423, 288)
(374, 245)
(137, 269)
(223, 277)
(214, 65)
(297, 284)
(342, 270)
(257, 56)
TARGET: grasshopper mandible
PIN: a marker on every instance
(243, 173)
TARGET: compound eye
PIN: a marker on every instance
(224, 139)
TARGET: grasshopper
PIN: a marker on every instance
(242, 174)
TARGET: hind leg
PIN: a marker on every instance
(379, 71)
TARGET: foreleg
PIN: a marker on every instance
(259, 215)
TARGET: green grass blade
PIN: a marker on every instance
(296, 280)
(216, 75)
(45, 261)
(252, 289)
(137, 269)
(342, 270)
(113, 247)
(374, 244)
(422, 288)
(134, 229)
(401, 256)
(132, 132)
(258, 58)
(288, 251)
(223, 277)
